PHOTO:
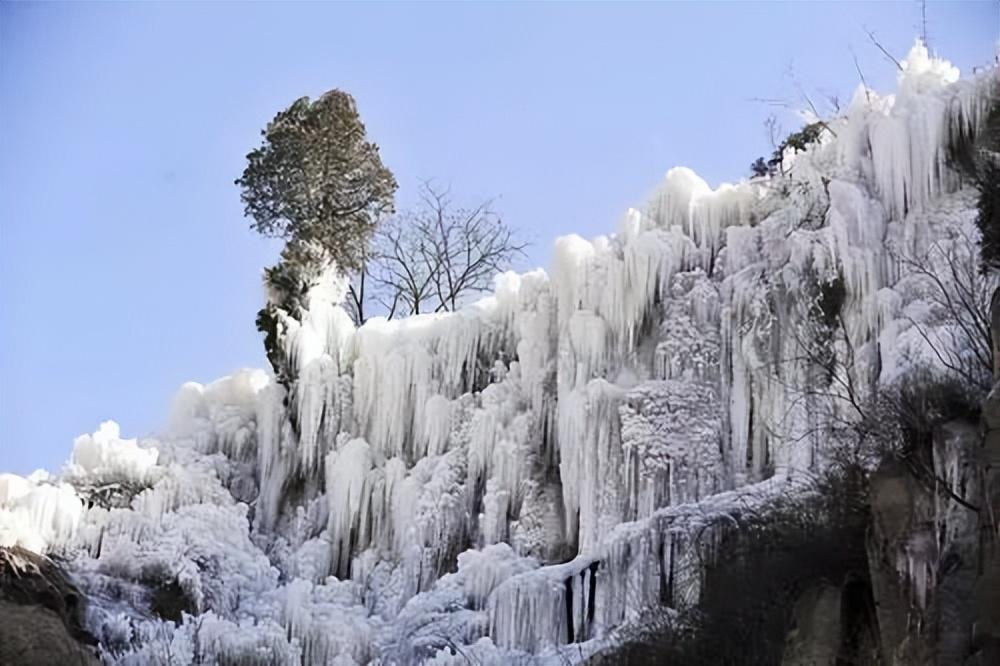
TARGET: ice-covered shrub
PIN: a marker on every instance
(109, 471)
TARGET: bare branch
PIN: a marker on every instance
(923, 21)
(429, 259)
(861, 75)
(871, 36)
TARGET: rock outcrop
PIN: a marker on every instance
(41, 613)
(986, 591)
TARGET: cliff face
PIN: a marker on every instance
(910, 578)
(588, 455)
(932, 564)
(986, 588)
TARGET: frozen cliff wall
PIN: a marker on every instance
(544, 465)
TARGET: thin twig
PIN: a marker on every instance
(871, 36)
(864, 84)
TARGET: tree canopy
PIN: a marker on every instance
(317, 178)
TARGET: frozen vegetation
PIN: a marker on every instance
(526, 477)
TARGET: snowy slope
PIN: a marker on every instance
(529, 474)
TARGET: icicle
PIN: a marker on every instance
(345, 480)
(272, 473)
(38, 517)
(528, 611)
(686, 201)
(436, 426)
(590, 455)
(316, 396)
(908, 136)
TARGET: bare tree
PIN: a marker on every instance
(887, 422)
(429, 259)
(946, 383)
(959, 335)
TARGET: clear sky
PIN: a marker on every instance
(126, 267)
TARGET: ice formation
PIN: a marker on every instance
(537, 469)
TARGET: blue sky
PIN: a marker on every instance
(126, 267)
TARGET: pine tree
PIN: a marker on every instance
(317, 182)
(316, 178)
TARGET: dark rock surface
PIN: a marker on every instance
(41, 613)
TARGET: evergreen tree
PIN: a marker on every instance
(316, 178)
(317, 182)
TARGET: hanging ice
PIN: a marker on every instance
(537, 468)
